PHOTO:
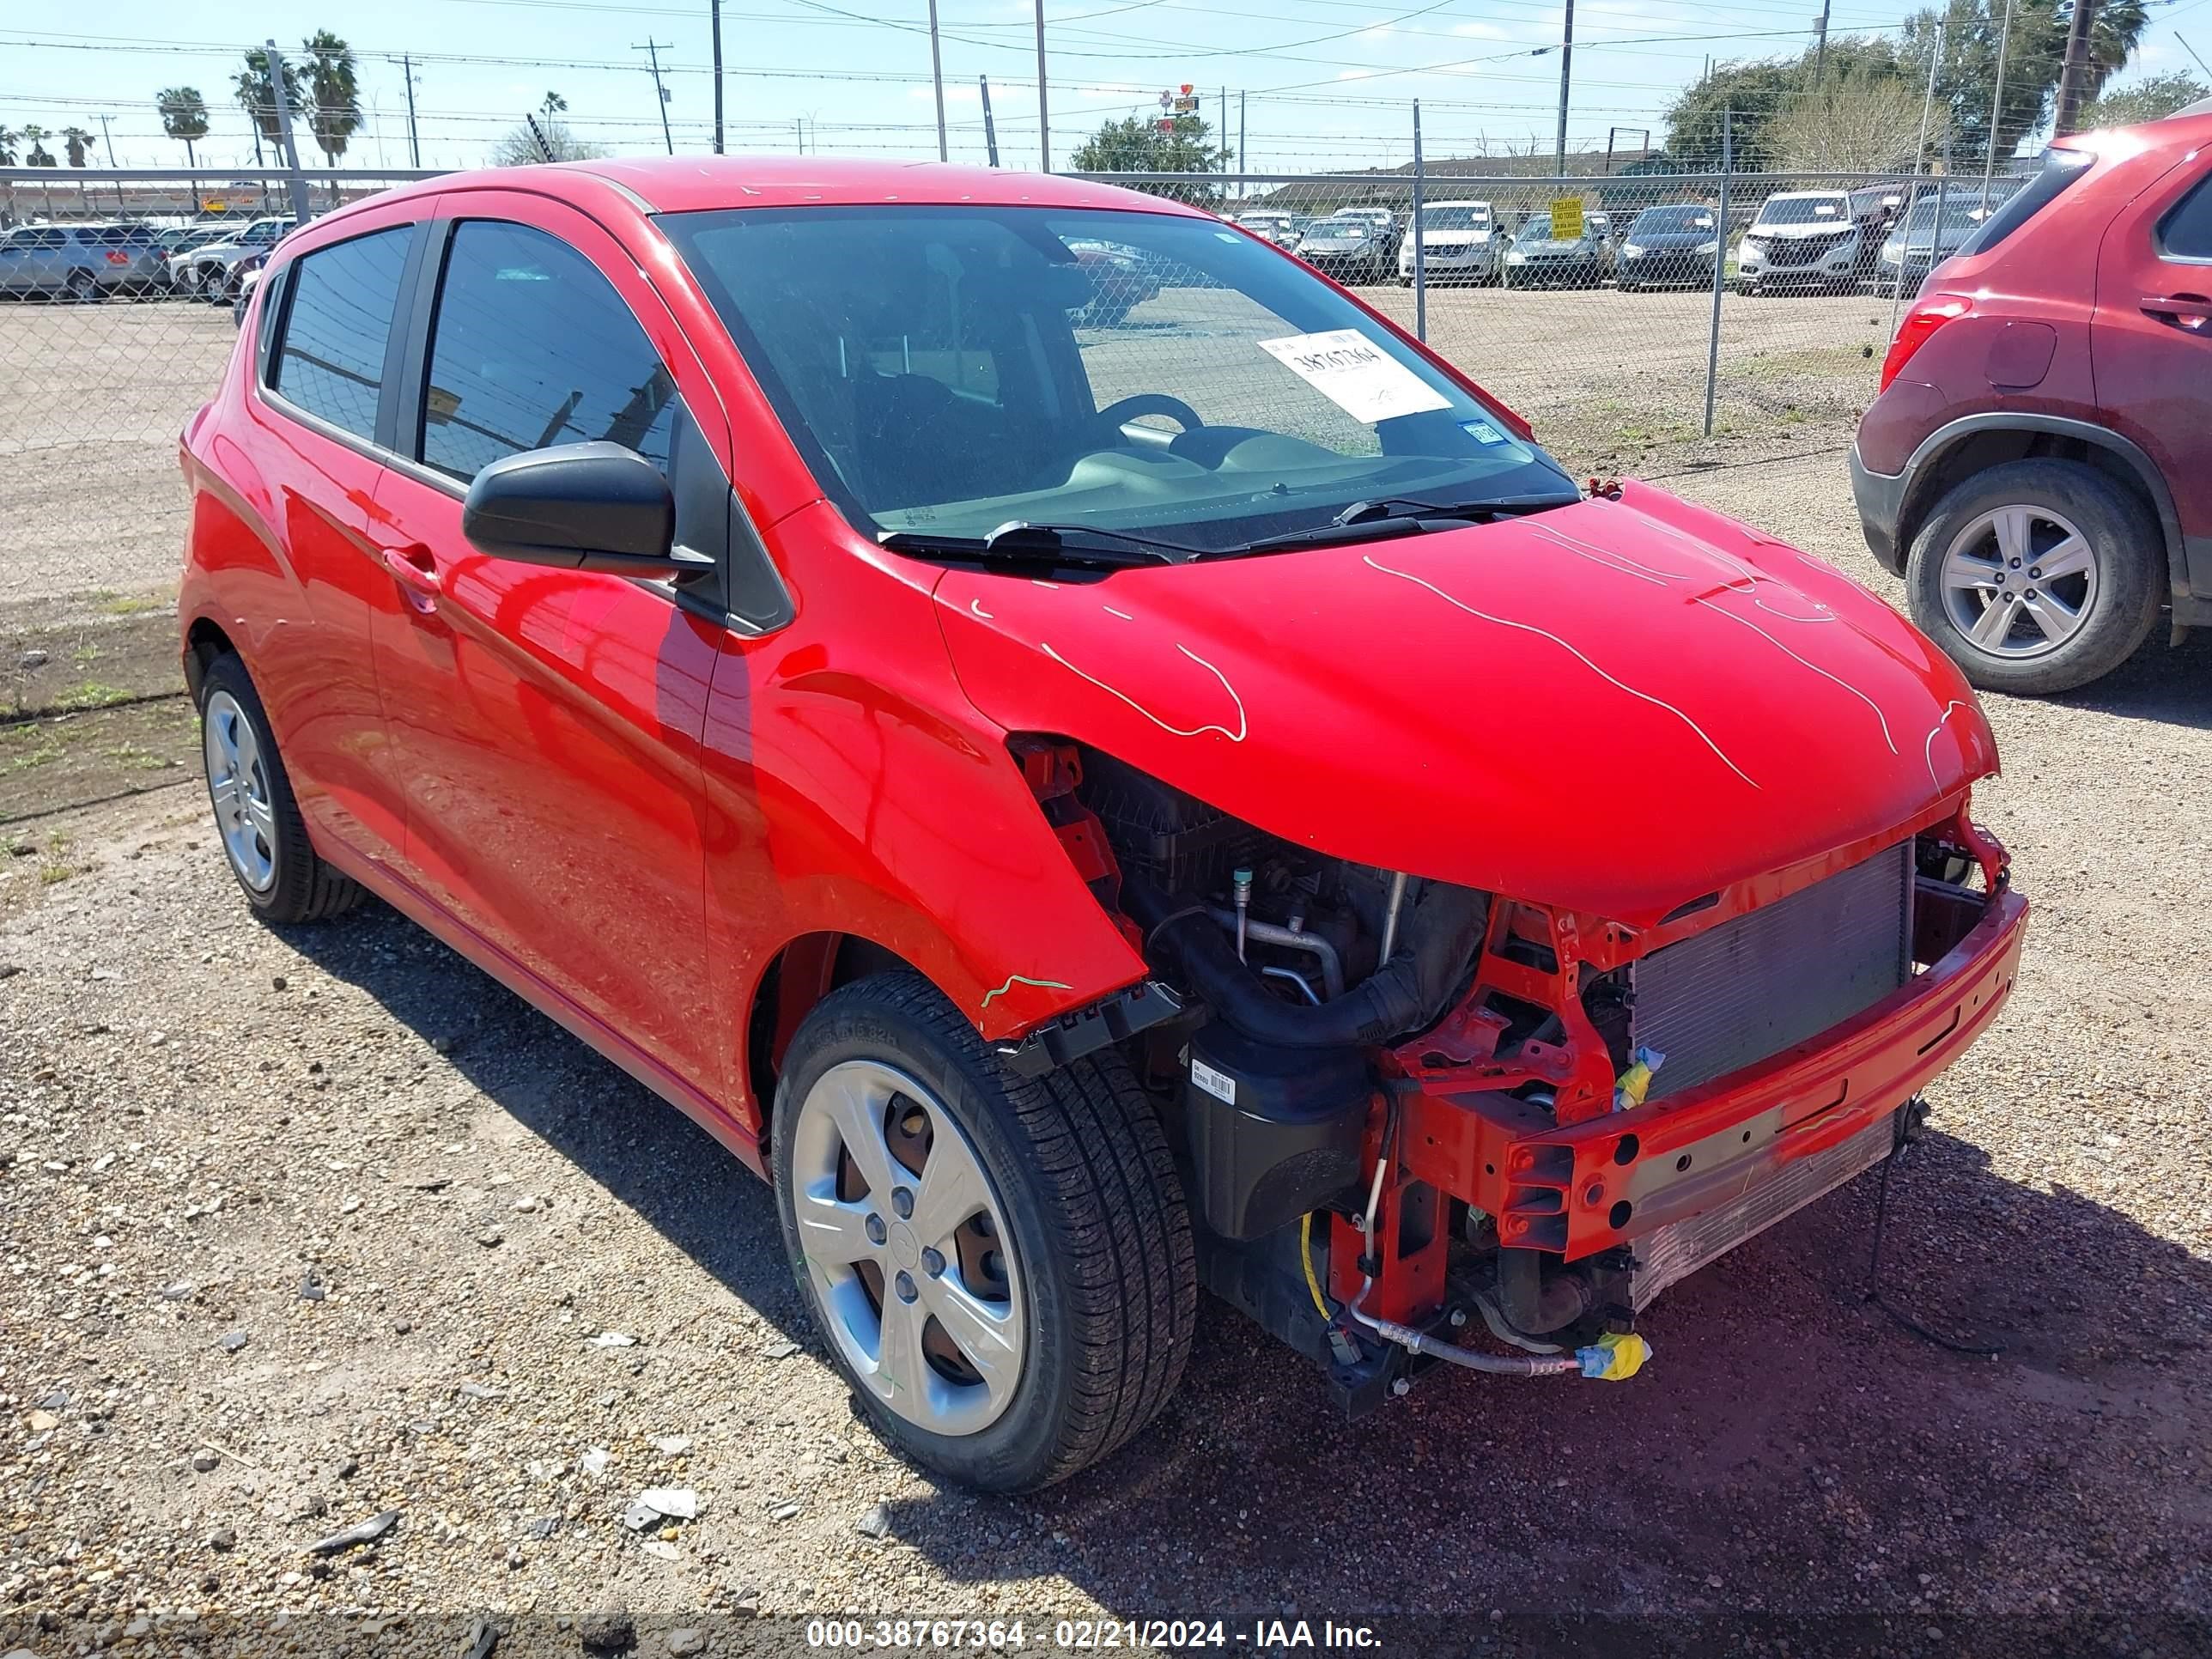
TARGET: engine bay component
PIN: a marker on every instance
(1276, 1132)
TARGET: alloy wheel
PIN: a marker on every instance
(238, 784)
(908, 1249)
(2019, 581)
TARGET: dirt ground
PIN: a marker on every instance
(298, 1228)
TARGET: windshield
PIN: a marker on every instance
(1539, 229)
(1807, 210)
(1962, 212)
(1455, 218)
(947, 370)
(1665, 221)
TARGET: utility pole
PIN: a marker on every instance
(1044, 131)
(1566, 70)
(110, 142)
(2076, 68)
(937, 80)
(1996, 107)
(414, 145)
(652, 48)
(1242, 166)
(1821, 42)
(715, 13)
(301, 210)
(990, 127)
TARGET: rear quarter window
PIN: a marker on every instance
(2061, 168)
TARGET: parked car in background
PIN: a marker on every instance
(1460, 242)
(1280, 228)
(183, 239)
(1349, 245)
(247, 277)
(79, 261)
(1389, 225)
(1668, 247)
(723, 599)
(207, 269)
(1920, 242)
(2038, 465)
(1540, 259)
(1121, 278)
(1802, 239)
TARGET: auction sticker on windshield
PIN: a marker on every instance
(1355, 374)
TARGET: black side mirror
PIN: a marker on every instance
(578, 507)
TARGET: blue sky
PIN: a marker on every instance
(1328, 84)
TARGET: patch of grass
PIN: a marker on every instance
(56, 867)
(138, 758)
(1803, 362)
(132, 605)
(92, 694)
(85, 655)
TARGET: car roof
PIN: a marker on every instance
(690, 184)
(1806, 195)
(1426, 206)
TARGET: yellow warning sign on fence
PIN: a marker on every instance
(1567, 219)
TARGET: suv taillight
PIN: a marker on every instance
(1917, 326)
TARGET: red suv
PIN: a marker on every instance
(1090, 799)
(2038, 464)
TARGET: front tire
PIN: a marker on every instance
(1001, 1266)
(264, 840)
(2037, 576)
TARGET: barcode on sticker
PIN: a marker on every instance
(1214, 1083)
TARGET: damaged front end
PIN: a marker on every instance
(1407, 1109)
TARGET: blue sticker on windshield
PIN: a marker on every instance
(1482, 432)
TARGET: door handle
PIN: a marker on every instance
(417, 573)
(2190, 313)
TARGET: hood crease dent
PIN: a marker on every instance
(1613, 707)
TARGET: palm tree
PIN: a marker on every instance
(39, 155)
(9, 139)
(552, 104)
(335, 90)
(74, 139)
(257, 96)
(184, 118)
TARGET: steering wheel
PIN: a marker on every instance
(1115, 415)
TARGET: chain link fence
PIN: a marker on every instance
(1628, 316)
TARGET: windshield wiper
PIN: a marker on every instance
(1021, 541)
(1405, 515)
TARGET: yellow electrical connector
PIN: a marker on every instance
(1615, 1357)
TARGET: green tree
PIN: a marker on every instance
(552, 103)
(76, 141)
(184, 118)
(1743, 96)
(39, 156)
(1137, 144)
(257, 95)
(1858, 123)
(332, 83)
(2148, 99)
(1967, 73)
(9, 139)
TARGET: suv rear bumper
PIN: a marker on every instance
(1880, 499)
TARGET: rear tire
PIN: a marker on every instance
(1096, 1294)
(264, 840)
(83, 287)
(1960, 569)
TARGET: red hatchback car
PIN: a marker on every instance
(2038, 464)
(1090, 799)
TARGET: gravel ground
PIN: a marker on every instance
(298, 1228)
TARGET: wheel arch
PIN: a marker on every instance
(1958, 450)
(204, 641)
(797, 976)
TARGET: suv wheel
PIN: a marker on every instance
(2037, 576)
(1001, 1266)
(285, 879)
(84, 286)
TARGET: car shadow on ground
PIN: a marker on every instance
(1790, 1448)
(2170, 683)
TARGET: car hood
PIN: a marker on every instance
(1799, 233)
(1452, 238)
(1334, 242)
(1616, 707)
(1671, 241)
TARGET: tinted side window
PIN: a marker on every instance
(2186, 232)
(331, 362)
(2061, 168)
(532, 347)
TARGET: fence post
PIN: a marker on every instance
(1720, 268)
(1420, 249)
(295, 181)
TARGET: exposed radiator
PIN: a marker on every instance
(1778, 974)
(1676, 1252)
